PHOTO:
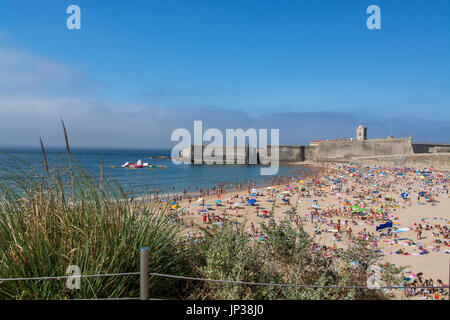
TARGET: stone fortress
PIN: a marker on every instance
(354, 150)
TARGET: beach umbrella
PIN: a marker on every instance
(251, 201)
(404, 195)
(174, 202)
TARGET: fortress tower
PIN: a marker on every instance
(361, 132)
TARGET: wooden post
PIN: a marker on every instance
(144, 273)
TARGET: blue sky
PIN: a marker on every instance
(139, 69)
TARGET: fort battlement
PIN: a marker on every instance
(325, 150)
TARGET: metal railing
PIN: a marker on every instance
(144, 281)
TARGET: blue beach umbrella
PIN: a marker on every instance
(404, 195)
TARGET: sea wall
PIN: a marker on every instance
(337, 151)
(242, 154)
(421, 147)
(285, 153)
(342, 150)
(439, 160)
(200, 154)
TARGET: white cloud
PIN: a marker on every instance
(35, 92)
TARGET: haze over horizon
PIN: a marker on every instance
(138, 70)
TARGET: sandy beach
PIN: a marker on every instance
(342, 202)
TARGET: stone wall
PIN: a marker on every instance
(342, 150)
(337, 151)
(285, 153)
(440, 160)
(200, 154)
(419, 147)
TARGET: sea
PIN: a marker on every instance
(165, 178)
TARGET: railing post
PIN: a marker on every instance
(144, 273)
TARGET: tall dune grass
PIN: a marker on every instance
(57, 217)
